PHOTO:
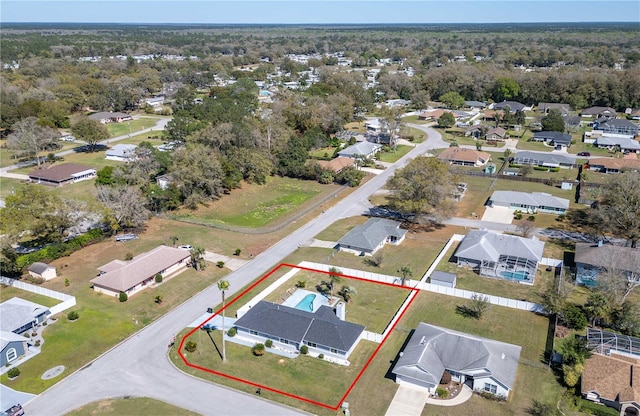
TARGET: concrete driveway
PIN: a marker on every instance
(408, 401)
(502, 215)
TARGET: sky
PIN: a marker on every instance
(319, 12)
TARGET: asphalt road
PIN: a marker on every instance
(139, 366)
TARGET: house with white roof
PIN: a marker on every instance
(501, 256)
(481, 363)
(548, 160)
(360, 150)
(531, 202)
(122, 152)
(138, 273)
(19, 315)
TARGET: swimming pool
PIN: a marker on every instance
(306, 304)
(519, 276)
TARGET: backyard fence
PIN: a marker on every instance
(68, 301)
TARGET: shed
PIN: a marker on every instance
(443, 279)
(42, 270)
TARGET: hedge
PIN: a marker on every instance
(55, 251)
(597, 409)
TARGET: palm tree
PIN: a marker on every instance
(333, 279)
(223, 286)
(197, 257)
(406, 272)
(347, 293)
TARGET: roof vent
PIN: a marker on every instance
(423, 340)
(503, 356)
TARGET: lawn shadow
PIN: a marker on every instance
(389, 374)
(467, 312)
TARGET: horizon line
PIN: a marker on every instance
(329, 23)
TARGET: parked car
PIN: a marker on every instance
(587, 154)
(185, 247)
(15, 410)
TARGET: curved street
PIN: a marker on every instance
(139, 366)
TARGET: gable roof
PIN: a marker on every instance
(550, 158)
(443, 276)
(372, 233)
(464, 155)
(432, 349)
(499, 131)
(625, 258)
(489, 245)
(17, 313)
(121, 276)
(616, 378)
(556, 136)
(6, 337)
(60, 173)
(594, 111)
(551, 106)
(617, 123)
(513, 106)
(619, 164)
(539, 199)
(322, 327)
(623, 142)
(360, 148)
(39, 267)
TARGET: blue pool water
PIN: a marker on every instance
(519, 276)
(306, 304)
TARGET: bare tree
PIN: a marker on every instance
(125, 206)
(619, 273)
(526, 227)
(29, 138)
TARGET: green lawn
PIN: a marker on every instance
(9, 292)
(339, 228)
(131, 406)
(392, 157)
(130, 127)
(255, 206)
(324, 153)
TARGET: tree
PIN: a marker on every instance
(553, 121)
(122, 297)
(505, 89)
(29, 138)
(347, 293)
(406, 272)
(391, 124)
(507, 155)
(574, 317)
(90, 131)
(525, 170)
(475, 307)
(452, 100)
(618, 209)
(526, 227)
(333, 279)
(173, 239)
(447, 119)
(539, 408)
(197, 170)
(223, 286)
(626, 318)
(422, 190)
(596, 307)
(125, 206)
(197, 258)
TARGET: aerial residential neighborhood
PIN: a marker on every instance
(328, 219)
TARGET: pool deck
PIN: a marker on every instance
(300, 294)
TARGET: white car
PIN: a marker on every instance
(185, 247)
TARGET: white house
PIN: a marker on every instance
(361, 150)
(530, 202)
(481, 363)
(122, 152)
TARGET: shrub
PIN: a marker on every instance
(158, 299)
(442, 393)
(220, 264)
(158, 278)
(232, 332)
(304, 350)
(301, 284)
(541, 168)
(596, 409)
(574, 317)
(258, 350)
(66, 282)
(73, 315)
(37, 343)
(190, 346)
(556, 169)
(268, 343)
(237, 252)
(128, 256)
(517, 216)
(44, 323)
(13, 373)
(491, 396)
(321, 356)
(122, 297)
(531, 218)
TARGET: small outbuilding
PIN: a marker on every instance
(41, 270)
(445, 279)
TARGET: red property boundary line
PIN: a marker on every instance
(272, 389)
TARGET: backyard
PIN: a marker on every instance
(131, 127)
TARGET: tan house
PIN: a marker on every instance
(465, 157)
(44, 271)
(58, 175)
(138, 273)
(613, 380)
(337, 164)
(609, 165)
(496, 133)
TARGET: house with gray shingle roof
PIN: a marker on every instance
(531, 202)
(618, 126)
(367, 238)
(481, 363)
(139, 273)
(290, 328)
(549, 160)
(594, 259)
(19, 315)
(360, 150)
(12, 347)
(501, 256)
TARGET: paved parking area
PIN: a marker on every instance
(501, 215)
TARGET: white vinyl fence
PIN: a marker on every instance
(68, 301)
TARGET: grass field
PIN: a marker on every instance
(131, 406)
(255, 206)
(392, 157)
(130, 127)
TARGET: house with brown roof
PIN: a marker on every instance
(432, 115)
(106, 117)
(464, 157)
(337, 164)
(613, 380)
(138, 273)
(496, 133)
(609, 165)
(58, 175)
